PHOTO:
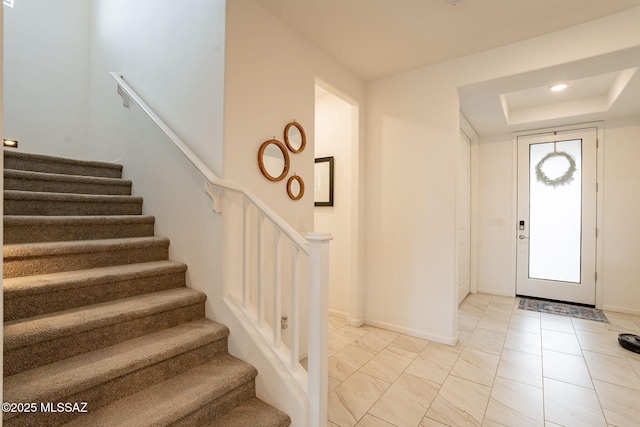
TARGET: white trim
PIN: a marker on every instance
(453, 340)
(7, 3)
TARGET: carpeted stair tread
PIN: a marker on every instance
(63, 183)
(44, 203)
(34, 295)
(43, 163)
(254, 412)
(37, 228)
(47, 327)
(175, 399)
(51, 257)
(70, 376)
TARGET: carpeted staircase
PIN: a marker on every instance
(95, 312)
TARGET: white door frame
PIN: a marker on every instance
(599, 198)
(468, 130)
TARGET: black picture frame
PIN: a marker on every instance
(323, 181)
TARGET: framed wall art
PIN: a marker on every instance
(323, 181)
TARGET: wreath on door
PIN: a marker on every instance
(566, 178)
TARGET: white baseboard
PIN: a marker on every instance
(621, 309)
(413, 332)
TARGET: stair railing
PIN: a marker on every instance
(315, 247)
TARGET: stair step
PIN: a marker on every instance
(37, 341)
(51, 164)
(192, 398)
(62, 183)
(37, 203)
(111, 373)
(26, 259)
(254, 412)
(47, 293)
(34, 228)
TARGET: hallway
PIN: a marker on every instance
(511, 367)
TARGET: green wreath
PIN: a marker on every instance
(564, 179)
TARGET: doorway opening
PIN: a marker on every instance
(337, 136)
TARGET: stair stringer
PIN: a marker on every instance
(275, 384)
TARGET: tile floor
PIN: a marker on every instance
(511, 368)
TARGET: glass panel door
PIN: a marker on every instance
(557, 216)
(555, 210)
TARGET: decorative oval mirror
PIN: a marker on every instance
(273, 160)
(295, 137)
(295, 187)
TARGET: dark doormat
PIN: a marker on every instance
(562, 309)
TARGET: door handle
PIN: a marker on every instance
(522, 236)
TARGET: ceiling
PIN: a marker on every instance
(380, 38)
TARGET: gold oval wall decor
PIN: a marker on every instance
(273, 160)
(295, 194)
(294, 137)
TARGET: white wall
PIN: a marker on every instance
(412, 131)
(172, 54)
(621, 229)
(333, 138)
(495, 215)
(46, 71)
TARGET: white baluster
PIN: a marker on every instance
(294, 322)
(245, 253)
(261, 298)
(277, 289)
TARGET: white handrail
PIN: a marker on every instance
(211, 178)
(315, 246)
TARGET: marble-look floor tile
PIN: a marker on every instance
(344, 337)
(556, 323)
(620, 404)
(522, 367)
(589, 325)
(333, 383)
(476, 366)
(561, 342)
(406, 401)
(371, 421)
(485, 340)
(515, 404)
(428, 422)
(526, 342)
(566, 368)
(460, 403)
(389, 363)
(434, 363)
(472, 308)
(612, 369)
(570, 405)
(353, 398)
(413, 344)
(498, 310)
(600, 343)
(337, 322)
(467, 323)
(494, 322)
(376, 340)
(528, 313)
(525, 323)
(347, 361)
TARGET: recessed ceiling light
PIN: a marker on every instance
(559, 87)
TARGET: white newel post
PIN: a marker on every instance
(318, 327)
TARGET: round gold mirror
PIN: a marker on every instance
(295, 137)
(273, 160)
(295, 187)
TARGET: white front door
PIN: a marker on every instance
(464, 218)
(556, 235)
